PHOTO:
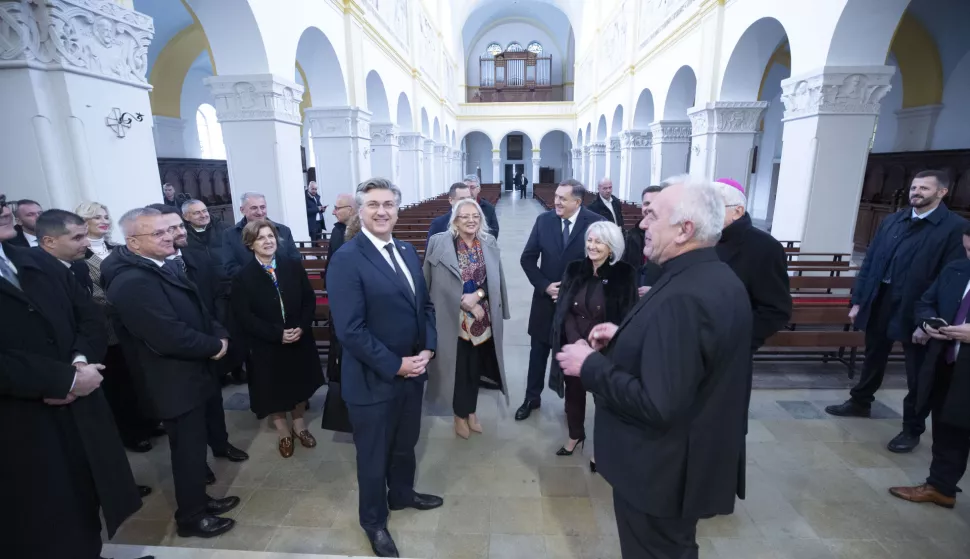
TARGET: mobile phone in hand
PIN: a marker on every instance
(935, 323)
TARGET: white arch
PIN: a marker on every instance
(601, 130)
(643, 114)
(617, 125)
(749, 58)
(323, 73)
(404, 120)
(425, 125)
(377, 98)
(864, 32)
(680, 95)
(589, 133)
(436, 130)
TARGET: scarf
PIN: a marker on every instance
(471, 263)
(271, 270)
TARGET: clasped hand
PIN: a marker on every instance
(291, 335)
(87, 379)
(415, 365)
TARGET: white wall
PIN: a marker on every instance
(953, 125)
(526, 160)
(194, 93)
(553, 155)
(522, 33)
(887, 125)
(479, 150)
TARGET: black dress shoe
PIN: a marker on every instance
(381, 543)
(418, 501)
(903, 443)
(221, 506)
(231, 453)
(157, 431)
(210, 476)
(849, 409)
(208, 527)
(526, 409)
(144, 491)
(140, 446)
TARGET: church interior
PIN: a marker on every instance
(823, 111)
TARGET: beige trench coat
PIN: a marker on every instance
(443, 277)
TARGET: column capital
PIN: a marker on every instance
(726, 117)
(256, 97)
(670, 131)
(383, 134)
(636, 139)
(98, 39)
(441, 150)
(836, 90)
(496, 157)
(577, 152)
(494, 151)
(586, 150)
(613, 144)
(597, 148)
(410, 141)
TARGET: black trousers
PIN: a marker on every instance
(188, 436)
(951, 444)
(385, 434)
(575, 407)
(538, 362)
(471, 365)
(119, 390)
(647, 537)
(878, 347)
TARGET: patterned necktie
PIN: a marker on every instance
(951, 347)
(181, 263)
(565, 233)
(177, 266)
(389, 247)
(7, 273)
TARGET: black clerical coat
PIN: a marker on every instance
(670, 392)
(57, 460)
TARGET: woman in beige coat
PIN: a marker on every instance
(463, 270)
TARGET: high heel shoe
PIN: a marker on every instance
(461, 427)
(592, 467)
(563, 452)
(473, 423)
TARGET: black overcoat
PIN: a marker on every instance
(49, 449)
(281, 375)
(597, 206)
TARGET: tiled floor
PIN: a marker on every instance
(816, 485)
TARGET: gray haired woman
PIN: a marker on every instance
(463, 270)
(599, 288)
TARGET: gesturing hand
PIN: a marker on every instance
(87, 379)
(572, 357)
(553, 290)
(601, 335)
(934, 333)
(920, 337)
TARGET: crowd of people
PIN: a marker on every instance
(109, 345)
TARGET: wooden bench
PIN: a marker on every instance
(816, 332)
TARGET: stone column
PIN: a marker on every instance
(412, 166)
(723, 135)
(577, 154)
(76, 113)
(441, 169)
(496, 166)
(169, 136)
(384, 150)
(635, 148)
(430, 176)
(671, 149)
(829, 120)
(597, 153)
(613, 161)
(587, 165)
(915, 126)
(536, 160)
(342, 146)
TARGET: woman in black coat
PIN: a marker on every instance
(599, 288)
(274, 304)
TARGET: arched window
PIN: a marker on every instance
(493, 49)
(514, 47)
(535, 48)
(210, 132)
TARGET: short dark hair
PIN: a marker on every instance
(53, 223)
(942, 177)
(454, 188)
(653, 188)
(17, 204)
(251, 231)
(579, 191)
(165, 209)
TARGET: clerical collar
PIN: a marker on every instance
(197, 230)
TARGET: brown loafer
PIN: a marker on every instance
(306, 439)
(924, 493)
(286, 447)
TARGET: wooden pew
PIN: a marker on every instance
(816, 332)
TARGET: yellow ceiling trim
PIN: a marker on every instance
(782, 56)
(195, 19)
(170, 68)
(919, 63)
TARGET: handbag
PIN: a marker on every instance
(335, 417)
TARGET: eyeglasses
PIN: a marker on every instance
(475, 217)
(335, 208)
(159, 233)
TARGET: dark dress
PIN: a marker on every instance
(282, 375)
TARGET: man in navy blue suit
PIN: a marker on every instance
(385, 320)
(558, 238)
(458, 191)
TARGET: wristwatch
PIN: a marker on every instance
(480, 293)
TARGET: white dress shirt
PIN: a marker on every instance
(3, 256)
(31, 239)
(159, 263)
(609, 206)
(387, 258)
(923, 216)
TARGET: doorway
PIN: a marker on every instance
(510, 170)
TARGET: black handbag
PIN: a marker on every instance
(335, 414)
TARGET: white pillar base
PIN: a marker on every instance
(496, 167)
(412, 166)
(671, 149)
(384, 150)
(635, 149)
(536, 160)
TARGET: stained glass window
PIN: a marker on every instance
(493, 49)
(535, 48)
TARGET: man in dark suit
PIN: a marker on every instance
(314, 212)
(944, 381)
(235, 254)
(488, 210)
(558, 238)
(385, 320)
(670, 386)
(204, 233)
(605, 204)
(171, 198)
(648, 271)
(907, 253)
(344, 210)
(63, 459)
(26, 213)
(457, 191)
(64, 235)
(174, 339)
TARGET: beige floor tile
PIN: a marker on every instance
(463, 514)
(564, 547)
(734, 548)
(511, 515)
(461, 546)
(268, 507)
(516, 546)
(557, 481)
(568, 516)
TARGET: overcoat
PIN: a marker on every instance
(443, 276)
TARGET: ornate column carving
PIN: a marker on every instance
(430, 176)
(671, 149)
(384, 147)
(248, 98)
(829, 119)
(597, 155)
(613, 162)
(635, 148)
(342, 145)
(577, 154)
(723, 135)
(411, 151)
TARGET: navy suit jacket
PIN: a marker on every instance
(439, 225)
(376, 319)
(546, 241)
